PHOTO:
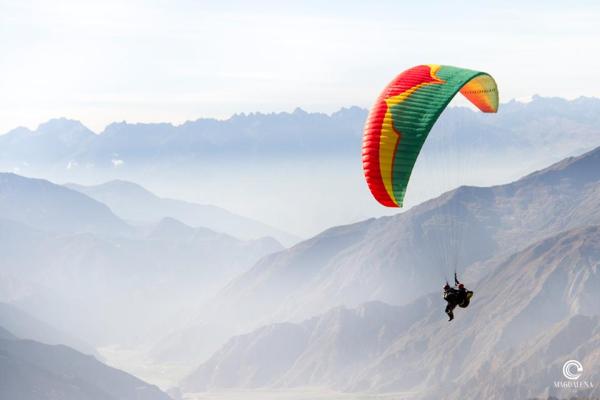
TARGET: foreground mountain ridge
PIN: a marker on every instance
(353, 264)
(34, 371)
(535, 309)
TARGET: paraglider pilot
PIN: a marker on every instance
(456, 296)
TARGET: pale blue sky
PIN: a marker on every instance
(177, 60)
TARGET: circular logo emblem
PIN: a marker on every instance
(572, 369)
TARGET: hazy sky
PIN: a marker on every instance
(107, 61)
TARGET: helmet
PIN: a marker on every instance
(461, 286)
(446, 286)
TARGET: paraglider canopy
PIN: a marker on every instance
(402, 117)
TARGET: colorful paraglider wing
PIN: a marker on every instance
(402, 117)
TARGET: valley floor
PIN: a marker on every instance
(135, 362)
(293, 394)
(167, 376)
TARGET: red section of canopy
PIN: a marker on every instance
(372, 133)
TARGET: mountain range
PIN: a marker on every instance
(396, 259)
(533, 311)
(297, 134)
(267, 166)
(45, 206)
(63, 141)
(134, 203)
(198, 290)
(67, 257)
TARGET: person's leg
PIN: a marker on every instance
(449, 309)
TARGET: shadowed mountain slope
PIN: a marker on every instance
(397, 259)
(34, 371)
(536, 309)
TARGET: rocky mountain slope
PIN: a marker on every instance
(368, 261)
(535, 310)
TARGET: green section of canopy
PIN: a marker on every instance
(415, 116)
